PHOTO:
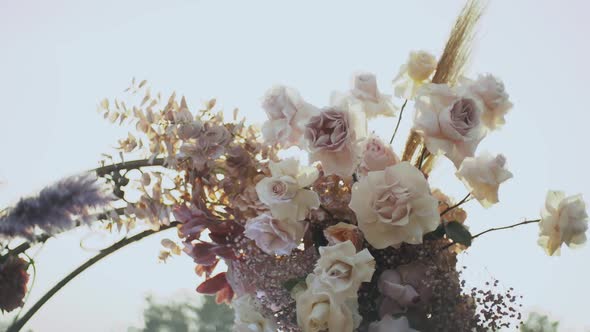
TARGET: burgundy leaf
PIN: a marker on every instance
(224, 252)
(213, 285)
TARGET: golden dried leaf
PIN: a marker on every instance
(211, 104)
(104, 104)
(142, 83)
(146, 97)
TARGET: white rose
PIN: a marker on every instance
(493, 94)
(319, 309)
(394, 206)
(287, 114)
(563, 220)
(483, 175)
(414, 73)
(248, 319)
(343, 269)
(449, 120)
(273, 236)
(365, 96)
(284, 191)
(388, 324)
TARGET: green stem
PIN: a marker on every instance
(399, 119)
(506, 227)
(492, 230)
(17, 326)
(465, 199)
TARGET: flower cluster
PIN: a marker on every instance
(355, 240)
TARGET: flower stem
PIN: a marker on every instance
(506, 227)
(399, 119)
(18, 325)
(465, 199)
(492, 230)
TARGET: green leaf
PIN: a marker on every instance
(438, 233)
(291, 283)
(458, 233)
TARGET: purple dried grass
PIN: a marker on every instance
(56, 208)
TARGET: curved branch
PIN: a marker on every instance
(505, 227)
(17, 326)
(133, 164)
(448, 245)
(42, 238)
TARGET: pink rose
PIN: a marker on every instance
(331, 139)
(274, 237)
(450, 121)
(376, 156)
(364, 97)
(402, 288)
(287, 114)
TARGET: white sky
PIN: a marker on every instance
(59, 58)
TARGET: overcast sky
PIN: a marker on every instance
(60, 57)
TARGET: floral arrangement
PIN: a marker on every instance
(352, 239)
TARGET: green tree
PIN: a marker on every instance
(186, 317)
(539, 323)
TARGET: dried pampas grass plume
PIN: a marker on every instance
(451, 63)
(458, 48)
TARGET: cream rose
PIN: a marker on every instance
(287, 114)
(342, 269)
(319, 309)
(376, 156)
(394, 206)
(449, 120)
(365, 96)
(248, 319)
(388, 324)
(284, 192)
(273, 236)
(483, 175)
(414, 73)
(342, 232)
(493, 94)
(563, 220)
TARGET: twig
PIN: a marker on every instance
(492, 230)
(127, 165)
(399, 119)
(456, 205)
(506, 227)
(17, 326)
